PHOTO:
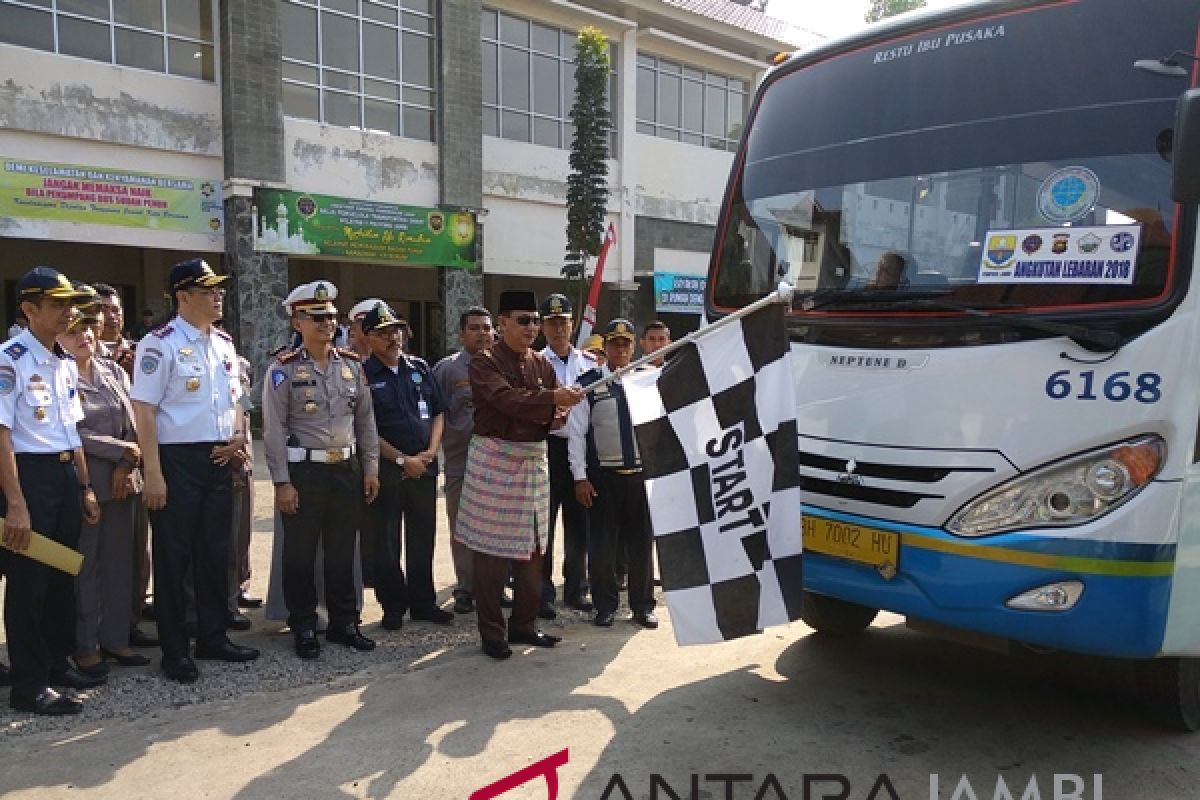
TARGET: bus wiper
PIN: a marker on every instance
(862, 298)
(1095, 340)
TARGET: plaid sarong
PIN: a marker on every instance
(505, 506)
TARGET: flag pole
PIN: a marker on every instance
(782, 294)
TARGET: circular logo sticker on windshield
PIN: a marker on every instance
(1068, 195)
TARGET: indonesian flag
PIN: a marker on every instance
(589, 311)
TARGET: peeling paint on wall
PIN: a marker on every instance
(377, 172)
(524, 187)
(697, 211)
(74, 110)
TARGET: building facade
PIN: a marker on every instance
(413, 150)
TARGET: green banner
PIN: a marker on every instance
(104, 196)
(321, 226)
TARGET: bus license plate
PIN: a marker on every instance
(851, 541)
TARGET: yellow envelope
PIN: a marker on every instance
(50, 552)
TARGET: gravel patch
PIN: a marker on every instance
(145, 691)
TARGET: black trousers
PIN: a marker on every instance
(39, 601)
(620, 519)
(191, 536)
(330, 497)
(490, 573)
(575, 526)
(411, 503)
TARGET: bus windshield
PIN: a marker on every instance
(963, 164)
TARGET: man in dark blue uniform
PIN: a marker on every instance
(409, 410)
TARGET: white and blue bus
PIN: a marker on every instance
(989, 215)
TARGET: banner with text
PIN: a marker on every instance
(677, 293)
(362, 230)
(105, 196)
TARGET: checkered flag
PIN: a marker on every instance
(716, 428)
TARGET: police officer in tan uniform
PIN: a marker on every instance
(322, 449)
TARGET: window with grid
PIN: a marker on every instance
(529, 81)
(365, 64)
(172, 36)
(690, 105)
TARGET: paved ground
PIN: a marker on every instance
(428, 716)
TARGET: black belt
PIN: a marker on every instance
(209, 445)
(62, 456)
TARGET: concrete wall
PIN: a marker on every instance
(72, 97)
(350, 163)
(69, 110)
(251, 75)
(677, 181)
(525, 193)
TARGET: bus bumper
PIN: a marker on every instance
(966, 584)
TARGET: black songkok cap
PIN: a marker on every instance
(518, 300)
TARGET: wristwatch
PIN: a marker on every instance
(400, 460)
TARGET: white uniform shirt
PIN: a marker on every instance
(39, 402)
(568, 371)
(193, 379)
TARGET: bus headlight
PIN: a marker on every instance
(1069, 492)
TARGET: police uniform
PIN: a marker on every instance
(319, 436)
(406, 401)
(39, 405)
(604, 451)
(192, 380)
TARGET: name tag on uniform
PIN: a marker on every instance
(423, 409)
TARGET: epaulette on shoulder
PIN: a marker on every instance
(350, 354)
(223, 334)
(591, 376)
(162, 331)
(288, 355)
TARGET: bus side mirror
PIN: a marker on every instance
(1185, 177)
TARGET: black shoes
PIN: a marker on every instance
(181, 670)
(238, 621)
(437, 616)
(48, 702)
(307, 645)
(131, 660)
(580, 603)
(350, 636)
(70, 677)
(225, 650)
(537, 639)
(646, 619)
(546, 611)
(139, 638)
(392, 620)
(97, 670)
(604, 619)
(246, 601)
(497, 649)
(463, 604)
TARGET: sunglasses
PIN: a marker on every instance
(318, 318)
(527, 319)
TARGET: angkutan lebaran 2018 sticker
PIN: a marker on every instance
(1068, 194)
(1098, 254)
